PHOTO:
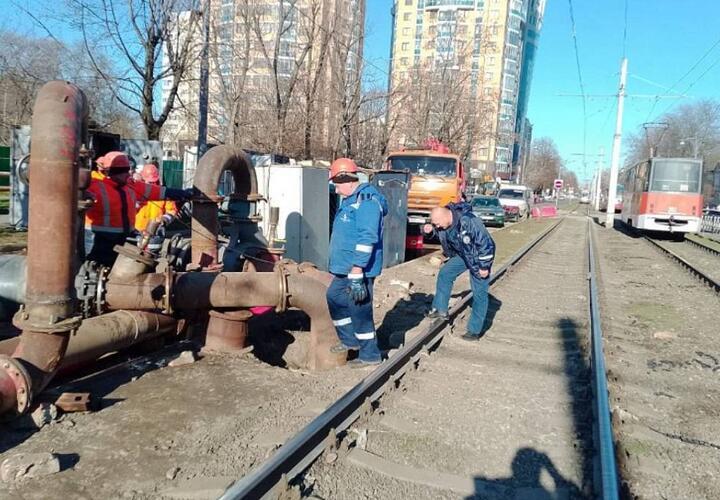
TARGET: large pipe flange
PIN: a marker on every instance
(15, 387)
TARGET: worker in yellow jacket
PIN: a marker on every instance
(163, 211)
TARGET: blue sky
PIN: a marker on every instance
(665, 38)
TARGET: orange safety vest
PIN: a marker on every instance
(153, 210)
(115, 206)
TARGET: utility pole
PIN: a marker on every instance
(617, 143)
(598, 180)
(204, 77)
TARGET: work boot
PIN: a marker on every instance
(340, 348)
(359, 363)
(435, 314)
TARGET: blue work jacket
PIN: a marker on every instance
(468, 238)
(357, 234)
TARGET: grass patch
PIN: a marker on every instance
(656, 316)
(11, 240)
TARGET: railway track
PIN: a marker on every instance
(697, 258)
(531, 394)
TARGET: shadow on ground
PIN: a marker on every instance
(405, 315)
(527, 467)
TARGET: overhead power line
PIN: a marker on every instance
(687, 73)
(579, 72)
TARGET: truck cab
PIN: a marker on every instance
(436, 179)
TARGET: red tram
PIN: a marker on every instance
(663, 194)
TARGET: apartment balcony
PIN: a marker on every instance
(460, 4)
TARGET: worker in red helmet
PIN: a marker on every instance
(356, 258)
(111, 218)
(163, 211)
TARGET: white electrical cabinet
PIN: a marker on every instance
(302, 196)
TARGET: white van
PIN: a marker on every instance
(515, 199)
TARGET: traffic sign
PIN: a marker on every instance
(558, 183)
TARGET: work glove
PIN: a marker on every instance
(358, 290)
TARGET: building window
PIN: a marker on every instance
(406, 16)
(406, 31)
(488, 75)
(405, 46)
(408, 2)
(404, 61)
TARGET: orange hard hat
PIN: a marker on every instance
(150, 173)
(114, 159)
(343, 166)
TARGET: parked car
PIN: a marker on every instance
(489, 210)
(515, 200)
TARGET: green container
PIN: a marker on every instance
(4, 165)
(173, 173)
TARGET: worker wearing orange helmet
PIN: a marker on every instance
(163, 211)
(356, 258)
(111, 218)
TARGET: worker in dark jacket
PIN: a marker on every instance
(356, 257)
(468, 246)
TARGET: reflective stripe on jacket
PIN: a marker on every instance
(468, 238)
(357, 234)
(153, 210)
(115, 206)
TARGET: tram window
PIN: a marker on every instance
(675, 176)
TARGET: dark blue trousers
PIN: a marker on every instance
(353, 322)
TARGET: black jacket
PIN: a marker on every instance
(468, 238)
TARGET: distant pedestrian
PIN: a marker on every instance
(356, 257)
(468, 246)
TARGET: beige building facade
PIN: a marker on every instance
(461, 71)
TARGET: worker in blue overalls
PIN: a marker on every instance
(356, 257)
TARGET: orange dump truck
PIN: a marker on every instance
(437, 178)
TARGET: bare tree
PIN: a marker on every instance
(284, 53)
(27, 63)
(318, 36)
(151, 41)
(439, 102)
(231, 61)
(691, 130)
(371, 129)
(544, 165)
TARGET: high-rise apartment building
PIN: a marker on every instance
(461, 71)
(284, 76)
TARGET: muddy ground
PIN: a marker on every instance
(188, 431)
(661, 329)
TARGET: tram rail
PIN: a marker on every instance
(689, 266)
(325, 432)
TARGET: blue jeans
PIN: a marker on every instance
(99, 246)
(353, 322)
(449, 272)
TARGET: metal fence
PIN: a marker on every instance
(710, 222)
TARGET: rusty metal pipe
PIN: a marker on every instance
(307, 292)
(108, 333)
(205, 225)
(303, 287)
(58, 122)
(193, 291)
